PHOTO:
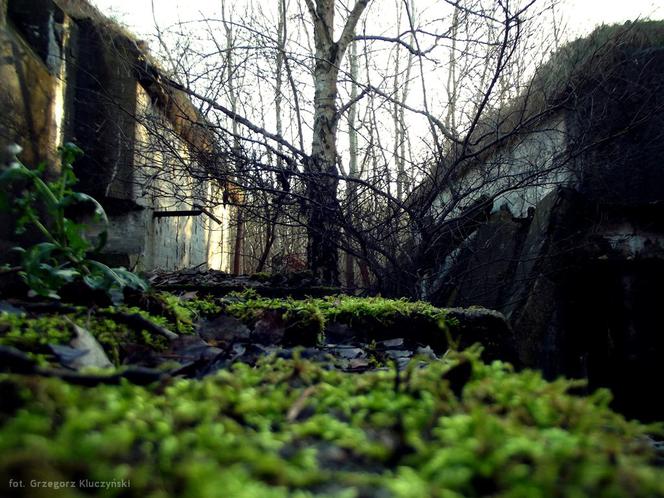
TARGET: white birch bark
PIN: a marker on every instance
(322, 167)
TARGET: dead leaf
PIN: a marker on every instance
(83, 351)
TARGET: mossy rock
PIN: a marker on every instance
(489, 328)
(376, 318)
(33, 333)
(364, 319)
(293, 428)
(260, 276)
(301, 321)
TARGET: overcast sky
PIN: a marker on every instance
(582, 15)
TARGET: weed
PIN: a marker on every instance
(62, 257)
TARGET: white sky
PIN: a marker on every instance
(582, 15)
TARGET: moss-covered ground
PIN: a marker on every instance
(452, 427)
(455, 428)
(34, 333)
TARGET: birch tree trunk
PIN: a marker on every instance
(400, 91)
(323, 182)
(452, 79)
(351, 189)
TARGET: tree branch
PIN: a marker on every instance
(234, 116)
(349, 28)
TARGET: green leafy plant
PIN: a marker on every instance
(62, 257)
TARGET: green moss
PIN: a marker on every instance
(34, 334)
(203, 307)
(238, 296)
(116, 337)
(304, 321)
(261, 276)
(380, 317)
(157, 319)
(172, 312)
(293, 428)
(182, 316)
(371, 318)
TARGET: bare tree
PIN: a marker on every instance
(322, 165)
(399, 134)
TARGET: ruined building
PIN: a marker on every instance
(563, 223)
(68, 74)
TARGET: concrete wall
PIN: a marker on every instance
(574, 260)
(516, 175)
(68, 74)
(32, 72)
(31, 96)
(165, 183)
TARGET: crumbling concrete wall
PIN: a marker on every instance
(32, 96)
(170, 180)
(578, 274)
(69, 74)
(517, 175)
(32, 70)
